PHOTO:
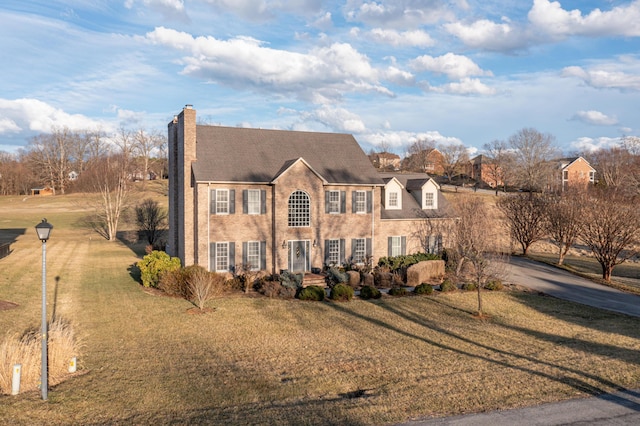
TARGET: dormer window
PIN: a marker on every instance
(429, 200)
(393, 199)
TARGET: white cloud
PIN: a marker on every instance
(37, 116)
(320, 75)
(260, 10)
(175, 5)
(551, 18)
(398, 13)
(336, 118)
(7, 125)
(616, 75)
(417, 38)
(402, 139)
(595, 117)
(454, 66)
(486, 34)
(587, 144)
(466, 86)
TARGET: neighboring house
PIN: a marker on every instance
(575, 172)
(73, 175)
(283, 200)
(385, 160)
(429, 161)
(484, 171)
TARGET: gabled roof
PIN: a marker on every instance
(566, 162)
(411, 209)
(289, 164)
(234, 154)
(386, 181)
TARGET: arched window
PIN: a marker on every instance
(299, 209)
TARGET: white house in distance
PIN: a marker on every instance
(276, 200)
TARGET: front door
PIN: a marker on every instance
(299, 256)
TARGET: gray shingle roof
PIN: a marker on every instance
(234, 154)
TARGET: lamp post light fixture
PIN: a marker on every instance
(44, 231)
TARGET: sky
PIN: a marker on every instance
(390, 72)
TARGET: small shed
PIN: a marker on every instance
(43, 191)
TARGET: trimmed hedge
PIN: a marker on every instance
(312, 292)
(447, 285)
(341, 292)
(397, 291)
(423, 288)
(370, 292)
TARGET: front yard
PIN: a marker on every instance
(253, 360)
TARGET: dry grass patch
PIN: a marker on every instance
(26, 349)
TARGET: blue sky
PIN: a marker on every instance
(387, 71)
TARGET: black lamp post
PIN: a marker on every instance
(44, 230)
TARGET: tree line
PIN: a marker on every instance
(67, 159)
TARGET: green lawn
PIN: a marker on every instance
(145, 360)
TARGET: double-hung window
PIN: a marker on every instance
(222, 257)
(359, 250)
(396, 246)
(253, 255)
(222, 201)
(428, 200)
(360, 202)
(333, 255)
(393, 199)
(333, 198)
(253, 201)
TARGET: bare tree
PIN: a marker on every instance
(455, 158)
(619, 168)
(563, 219)
(51, 155)
(15, 177)
(108, 179)
(417, 159)
(501, 165)
(473, 242)
(525, 217)
(151, 219)
(533, 154)
(610, 228)
(204, 285)
(145, 144)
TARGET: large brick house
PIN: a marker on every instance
(278, 200)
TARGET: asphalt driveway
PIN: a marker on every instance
(564, 285)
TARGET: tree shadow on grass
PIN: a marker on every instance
(572, 377)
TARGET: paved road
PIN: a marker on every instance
(564, 285)
(621, 408)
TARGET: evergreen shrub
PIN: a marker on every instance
(341, 292)
(370, 292)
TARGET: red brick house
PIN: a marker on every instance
(575, 172)
(485, 172)
(277, 200)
